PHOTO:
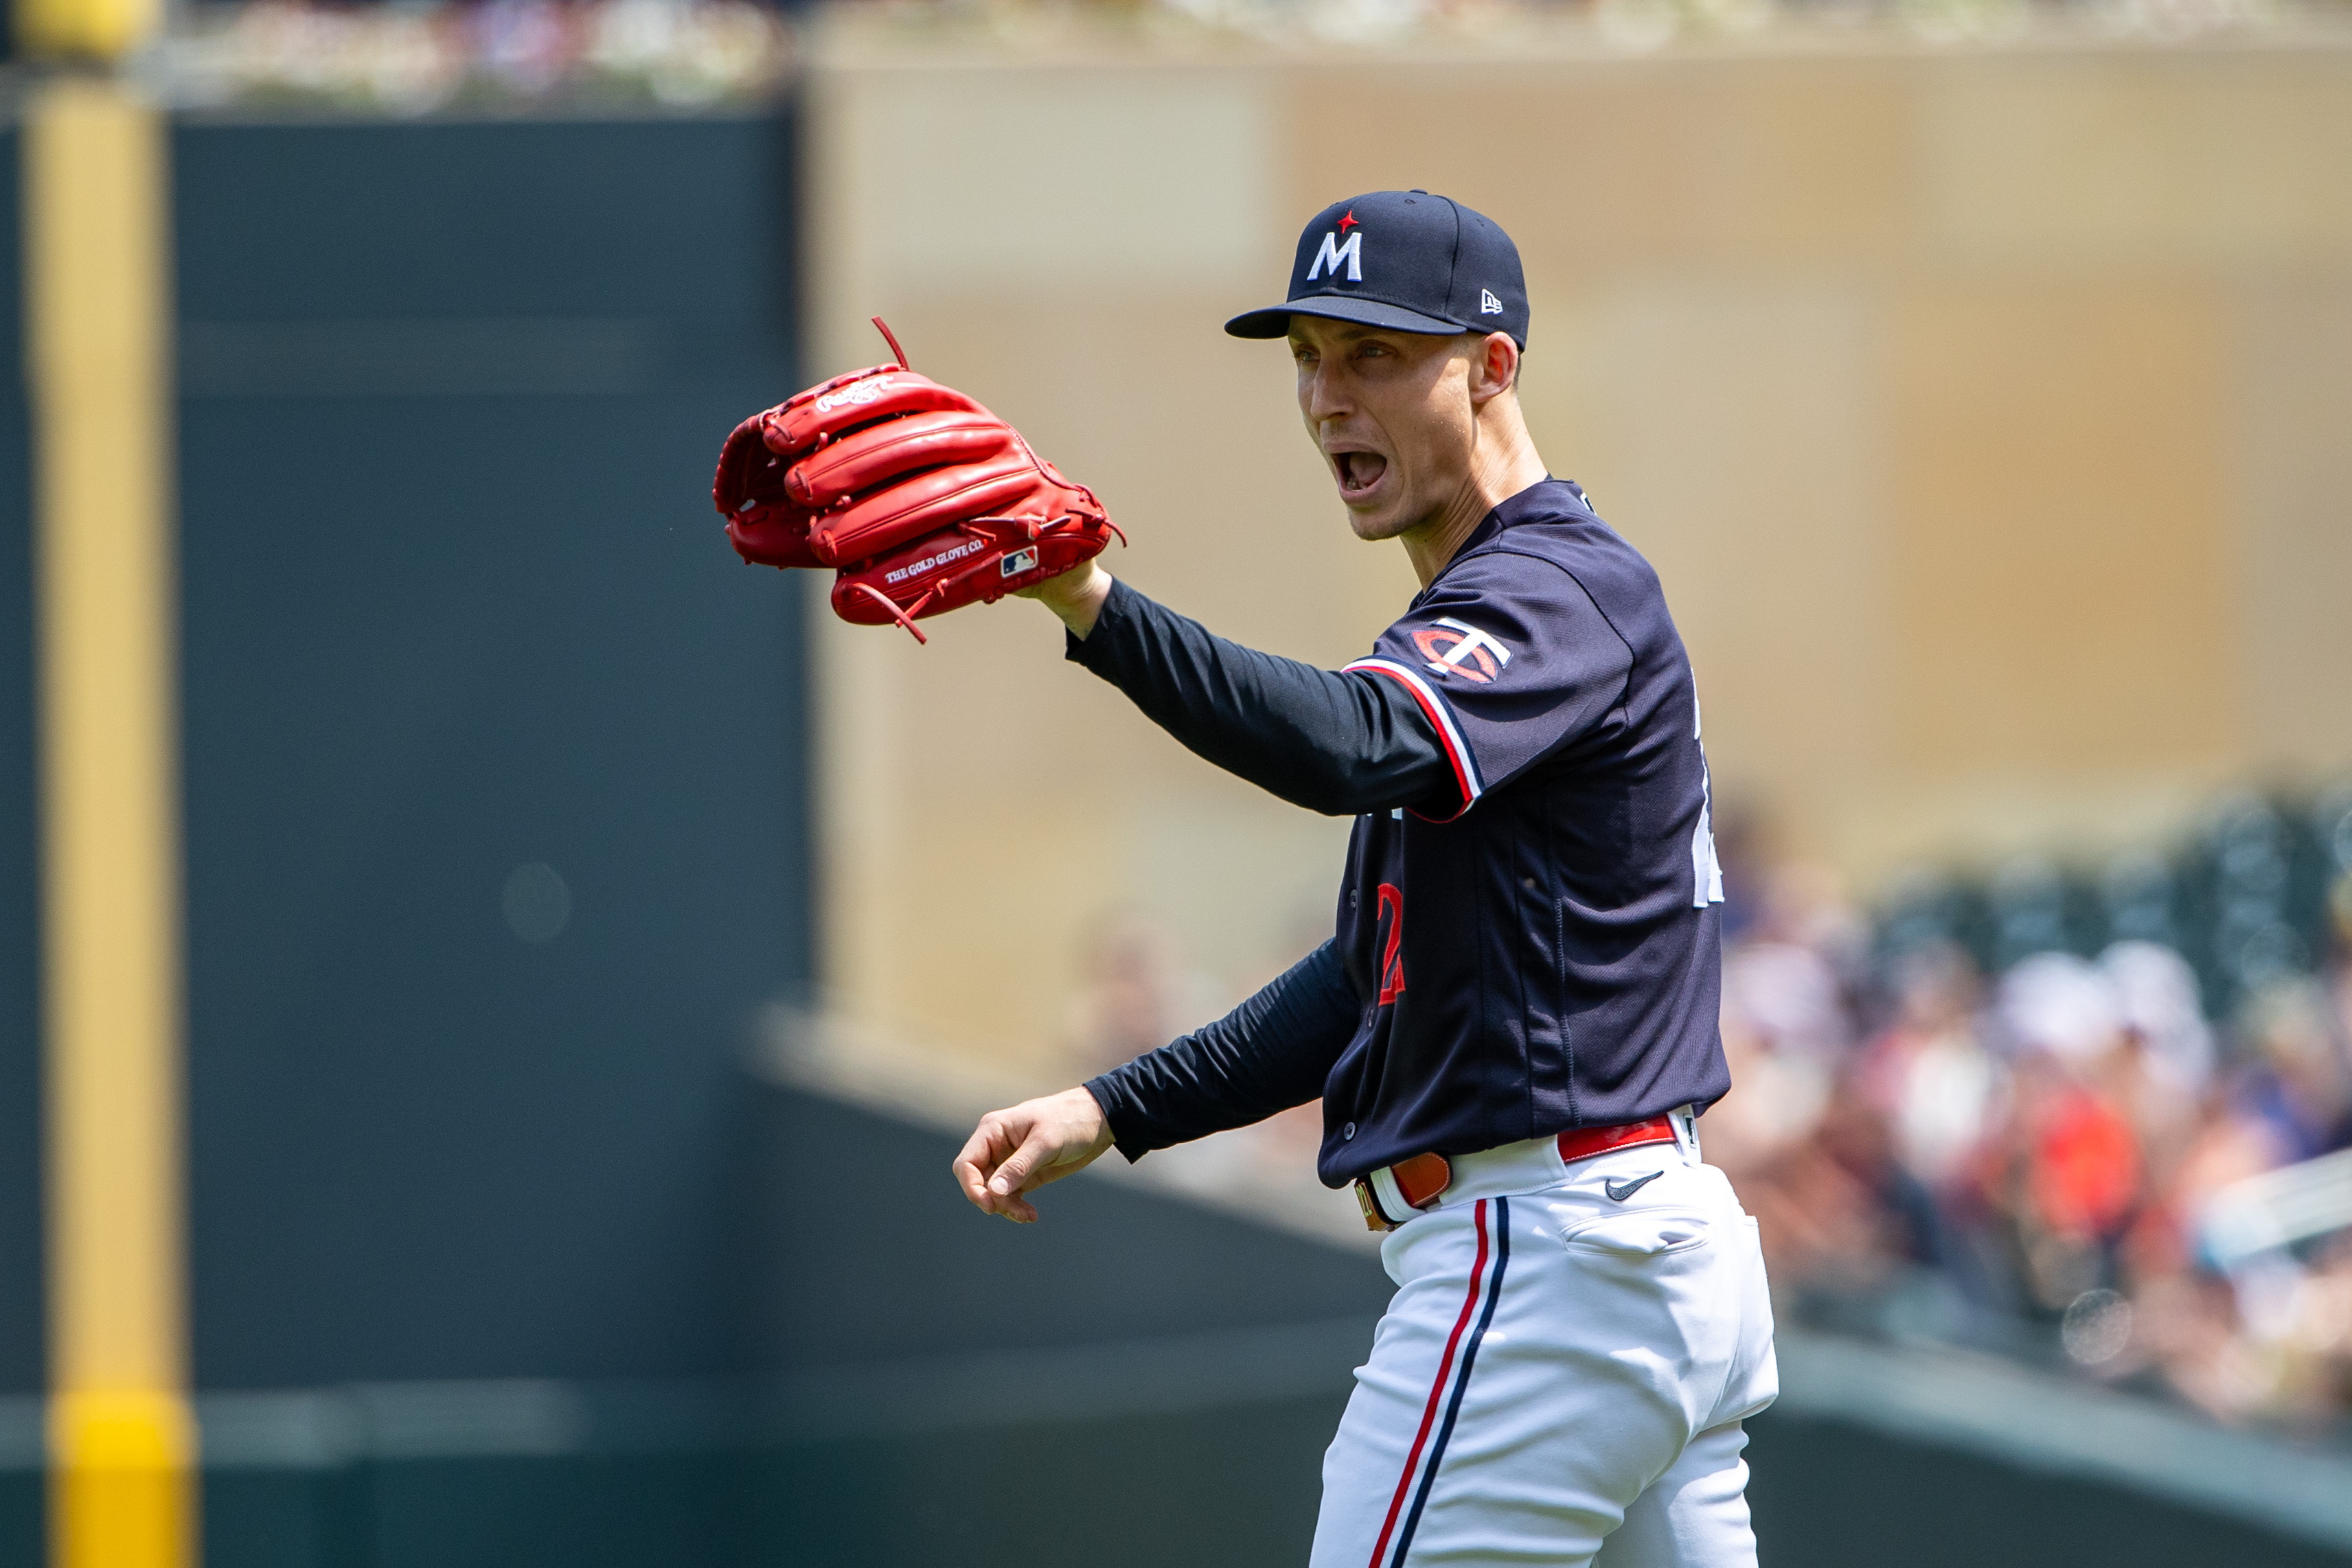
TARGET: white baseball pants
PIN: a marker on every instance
(1561, 1376)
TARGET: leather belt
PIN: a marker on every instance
(1413, 1184)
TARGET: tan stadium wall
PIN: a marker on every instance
(1984, 412)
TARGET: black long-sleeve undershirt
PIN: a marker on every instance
(1268, 1054)
(1338, 742)
(1331, 741)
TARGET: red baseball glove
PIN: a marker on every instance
(922, 500)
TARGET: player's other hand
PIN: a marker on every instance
(1013, 1153)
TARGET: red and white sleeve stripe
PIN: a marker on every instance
(1457, 750)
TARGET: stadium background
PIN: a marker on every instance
(590, 946)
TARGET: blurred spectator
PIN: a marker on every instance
(2188, 1327)
(2156, 990)
(1135, 994)
(1928, 1071)
(2166, 1061)
(1804, 1133)
(1838, 1209)
(2299, 1086)
(2076, 1166)
(1743, 851)
(1787, 1018)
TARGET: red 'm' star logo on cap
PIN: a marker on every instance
(1349, 222)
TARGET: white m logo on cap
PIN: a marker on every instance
(1333, 253)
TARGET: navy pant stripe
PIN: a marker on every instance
(1462, 1379)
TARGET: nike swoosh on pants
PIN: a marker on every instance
(1620, 1191)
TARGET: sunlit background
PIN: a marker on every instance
(574, 955)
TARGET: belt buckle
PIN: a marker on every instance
(1418, 1182)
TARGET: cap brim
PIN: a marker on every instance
(1275, 320)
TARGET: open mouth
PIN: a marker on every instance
(1359, 473)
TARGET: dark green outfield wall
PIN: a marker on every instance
(21, 1314)
(20, 1125)
(453, 601)
(456, 602)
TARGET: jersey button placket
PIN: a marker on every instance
(1348, 1133)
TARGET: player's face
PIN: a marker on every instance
(1391, 414)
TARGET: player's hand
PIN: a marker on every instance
(1076, 596)
(1013, 1153)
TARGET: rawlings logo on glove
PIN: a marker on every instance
(862, 392)
(921, 500)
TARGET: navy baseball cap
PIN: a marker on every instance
(1405, 260)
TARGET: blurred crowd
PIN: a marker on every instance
(2003, 1114)
(2059, 1157)
(416, 59)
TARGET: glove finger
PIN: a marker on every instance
(839, 407)
(925, 504)
(771, 536)
(880, 453)
(748, 471)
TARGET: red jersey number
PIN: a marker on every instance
(1392, 910)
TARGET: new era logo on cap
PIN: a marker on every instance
(1405, 260)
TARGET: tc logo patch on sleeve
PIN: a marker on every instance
(1457, 648)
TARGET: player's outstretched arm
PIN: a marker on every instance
(1339, 742)
(1015, 1152)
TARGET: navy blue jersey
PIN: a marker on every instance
(1543, 951)
(1527, 937)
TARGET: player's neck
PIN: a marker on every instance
(1504, 463)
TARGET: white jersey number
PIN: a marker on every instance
(1706, 871)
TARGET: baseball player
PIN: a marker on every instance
(1513, 1028)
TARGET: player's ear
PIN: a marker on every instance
(1493, 366)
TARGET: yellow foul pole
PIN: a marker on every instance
(85, 29)
(122, 1441)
